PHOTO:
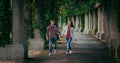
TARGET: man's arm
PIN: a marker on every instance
(59, 33)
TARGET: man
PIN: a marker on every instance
(51, 34)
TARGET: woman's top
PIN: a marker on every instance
(68, 33)
(65, 30)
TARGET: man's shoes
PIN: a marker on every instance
(67, 53)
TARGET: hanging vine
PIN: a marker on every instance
(5, 22)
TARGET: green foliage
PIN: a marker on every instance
(28, 17)
(49, 9)
(116, 9)
(78, 7)
(5, 22)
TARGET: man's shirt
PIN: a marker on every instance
(52, 31)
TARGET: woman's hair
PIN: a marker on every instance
(71, 23)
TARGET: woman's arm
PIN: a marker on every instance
(63, 32)
(73, 33)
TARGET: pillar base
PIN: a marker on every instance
(80, 29)
(90, 32)
(86, 31)
(98, 35)
(102, 36)
(12, 52)
(112, 43)
(77, 30)
(94, 32)
(107, 40)
(36, 43)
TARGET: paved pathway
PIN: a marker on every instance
(85, 50)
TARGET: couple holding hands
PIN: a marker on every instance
(52, 32)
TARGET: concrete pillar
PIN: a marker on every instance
(98, 33)
(91, 19)
(18, 28)
(110, 29)
(89, 22)
(18, 23)
(77, 23)
(73, 20)
(80, 22)
(100, 20)
(103, 25)
(59, 22)
(86, 23)
(107, 32)
(94, 23)
(106, 24)
(113, 31)
(68, 18)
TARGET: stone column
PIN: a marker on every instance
(73, 20)
(68, 18)
(18, 29)
(98, 33)
(100, 20)
(91, 21)
(80, 22)
(59, 23)
(77, 23)
(112, 30)
(94, 20)
(106, 17)
(103, 25)
(86, 23)
(94, 23)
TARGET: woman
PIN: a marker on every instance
(68, 32)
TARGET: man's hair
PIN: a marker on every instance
(52, 20)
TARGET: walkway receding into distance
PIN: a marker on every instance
(86, 49)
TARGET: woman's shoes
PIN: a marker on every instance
(50, 54)
(55, 51)
(70, 52)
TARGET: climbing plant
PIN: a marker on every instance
(5, 22)
(116, 10)
(44, 11)
(28, 11)
(78, 7)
